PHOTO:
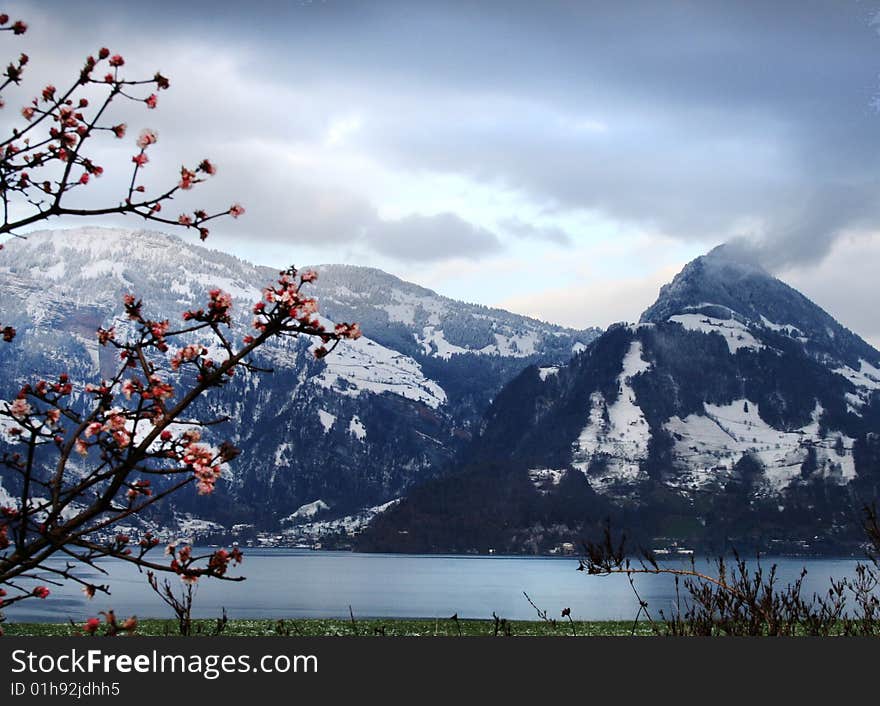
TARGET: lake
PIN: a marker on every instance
(288, 583)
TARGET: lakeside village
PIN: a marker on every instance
(340, 535)
(327, 535)
(337, 535)
(306, 530)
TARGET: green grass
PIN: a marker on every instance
(345, 628)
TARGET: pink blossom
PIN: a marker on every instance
(147, 137)
(122, 438)
(116, 60)
(106, 335)
(140, 159)
(128, 388)
(93, 429)
(351, 331)
(219, 561)
(159, 389)
(236, 210)
(308, 307)
(220, 303)
(187, 178)
(186, 354)
(151, 101)
(160, 328)
(20, 409)
(139, 487)
(115, 420)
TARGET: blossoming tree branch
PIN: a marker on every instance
(46, 162)
(85, 457)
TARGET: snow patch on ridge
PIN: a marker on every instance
(6, 500)
(545, 479)
(434, 343)
(282, 449)
(545, 373)
(866, 381)
(350, 524)
(787, 329)
(327, 420)
(735, 333)
(365, 366)
(404, 313)
(707, 446)
(866, 377)
(357, 429)
(307, 511)
(618, 434)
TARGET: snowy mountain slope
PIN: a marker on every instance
(735, 402)
(354, 430)
(432, 325)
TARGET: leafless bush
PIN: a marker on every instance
(733, 597)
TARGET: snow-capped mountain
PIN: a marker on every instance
(735, 407)
(324, 438)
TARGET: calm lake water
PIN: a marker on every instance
(286, 583)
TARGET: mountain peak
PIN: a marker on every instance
(728, 283)
(727, 277)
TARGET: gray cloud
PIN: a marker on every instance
(704, 120)
(426, 238)
(520, 229)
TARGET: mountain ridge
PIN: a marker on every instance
(351, 432)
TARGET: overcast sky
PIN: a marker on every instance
(561, 159)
